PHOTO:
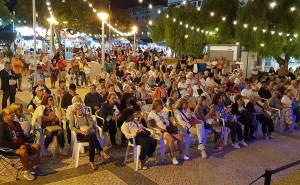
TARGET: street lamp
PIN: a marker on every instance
(134, 29)
(51, 21)
(103, 16)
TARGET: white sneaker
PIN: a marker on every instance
(184, 157)
(243, 143)
(235, 145)
(201, 147)
(81, 150)
(46, 152)
(174, 161)
(63, 152)
(203, 154)
(28, 176)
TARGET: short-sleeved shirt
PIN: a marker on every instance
(170, 102)
(16, 135)
(274, 101)
(161, 119)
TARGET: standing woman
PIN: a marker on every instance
(53, 73)
(83, 125)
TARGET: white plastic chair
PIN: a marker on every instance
(136, 152)
(158, 135)
(76, 147)
(104, 136)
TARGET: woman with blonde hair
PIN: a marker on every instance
(159, 120)
(83, 125)
(188, 120)
(21, 118)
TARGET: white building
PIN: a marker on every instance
(142, 16)
(197, 3)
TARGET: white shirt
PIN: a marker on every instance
(286, 101)
(255, 67)
(182, 85)
(152, 73)
(195, 70)
(246, 92)
(210, 82)
(161, 119)
(203, 82)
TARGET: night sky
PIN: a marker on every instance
(115, 4)
(124, 4)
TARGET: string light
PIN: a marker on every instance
(49, 8)
(223, 18)
(293, 9)
(254, 28)
(273, 4)
(212, 14)
(110, 26)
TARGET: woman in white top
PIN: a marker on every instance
(182, 86)
(159, 119)
(184, 117)
(131, 128)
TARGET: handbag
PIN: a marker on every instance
(53, 128)
(193, 121)
(171, 129)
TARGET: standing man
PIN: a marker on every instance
(62, 64)
(255, 69)
(27, 61)
(17, 65)
(75, 67)
(8, 84)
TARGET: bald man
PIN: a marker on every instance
(191, 99)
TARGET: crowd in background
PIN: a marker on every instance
(141, 94)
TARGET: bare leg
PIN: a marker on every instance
(180, 143)
(22, 153)
(170, 143)
(36, 152)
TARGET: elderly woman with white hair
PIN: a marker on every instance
(83, 125)
(151, 81)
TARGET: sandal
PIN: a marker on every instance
(104, 155)
(93, 167)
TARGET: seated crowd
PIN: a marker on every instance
(175, 104)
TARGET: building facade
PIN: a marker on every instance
(142, 16)
(197, 3)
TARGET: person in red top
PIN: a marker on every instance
(62, 64)
(13, 140)
(160, 92)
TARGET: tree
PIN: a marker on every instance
(5, 15)
(7, 37)
(76, 15)
(122, 20)
(272, 29)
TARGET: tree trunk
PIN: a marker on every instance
(59, 40)
(283, 61)
(52, 40)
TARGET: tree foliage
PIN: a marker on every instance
(7, 37)
(252, 18)
(5, 15)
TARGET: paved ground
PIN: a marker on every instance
(226, 167)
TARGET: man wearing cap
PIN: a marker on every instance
(8, 84)
(67, 98)
(40, 83)
(37, 100)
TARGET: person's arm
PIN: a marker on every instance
(72, 125)
(250, 107)
(180, 121)
(47, 89)
(235, 109)
(64, 102)
(4, 140)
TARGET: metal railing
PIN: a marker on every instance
(268, 173)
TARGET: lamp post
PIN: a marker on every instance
(134, 29)
(103, 16)
(51, 21)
